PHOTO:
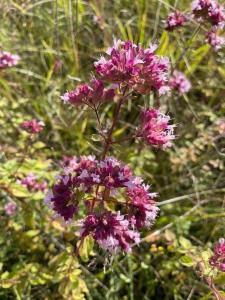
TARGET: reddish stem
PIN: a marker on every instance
(99, 123)
(108, 140)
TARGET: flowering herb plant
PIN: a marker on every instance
(106, 182)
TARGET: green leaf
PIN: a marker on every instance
(185, 243)
(18, 190)
(85, 249)
(96, 137)
(187, 261)
(39, 145)
(125, 278)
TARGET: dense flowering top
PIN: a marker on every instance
(32, 184)
(174, 20)
(33, 126)
(98, 184)
(133, 66)
(209, 10)
(86, 94)
(110, 230)
(8, 60)
(179, 82)
(10, 208)
(217, 42)
(218, 258)
(155, 128)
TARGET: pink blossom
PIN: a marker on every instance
(95, 184)
(85, 94)
(175, 19)
(62, 198)
(33, 126)
(10, 208)
(209, 10)
(8, 60)
(179, 82)
(155, 129)
(143, 210)
(221, 126)
(110, 230)
(217, 260)
(214, 40)
(131, 65)
(32, 184)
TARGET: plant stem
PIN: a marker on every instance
(115, 118)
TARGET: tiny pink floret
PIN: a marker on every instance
(8, 60)
(33, 126)
(155, 129)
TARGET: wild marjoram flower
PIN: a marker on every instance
(179, 82)
(32, 184)
(209, 10)
(8, 60)
(217, 42)
(175, 20)
(85, 94)
(33, 126)
(118, 204)
(131, 65)
(10, 208)
(155, 129)
(101, 183)
(217, 260)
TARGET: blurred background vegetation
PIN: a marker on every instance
(58, 41)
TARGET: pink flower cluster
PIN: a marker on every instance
(86, 94)
(174, 20)
(110, 231)
(98, 184)
(33, 126)
(218, 258)
(209, 10)
(179, 82)
(214, 13)
(214, 40)
(10, 208)
(32, 184)
(155, 129)
(8, 60)
(133, 66)
(221, 126)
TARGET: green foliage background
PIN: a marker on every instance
(37, 260)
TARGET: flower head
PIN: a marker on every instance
(218, 258)
(10, 208)
(143, 210)
(131, 65)
(32, 184)
(179, 82)
(85, 94)
(155, 129)
(174, 20)
(33, 126)
(8, 60)
(96, 184)
(214, 40)
(62, 198)
(209, 10)
(110, 230)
